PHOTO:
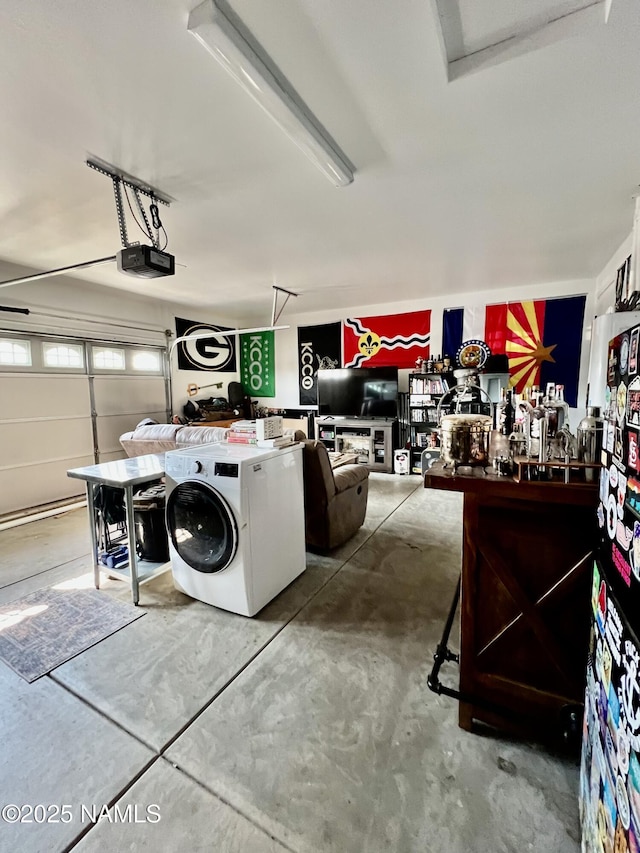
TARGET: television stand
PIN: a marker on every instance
(370, 440)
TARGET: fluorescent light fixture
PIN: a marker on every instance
(232, 45)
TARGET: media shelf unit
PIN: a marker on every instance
(425, 392)
(371, 440)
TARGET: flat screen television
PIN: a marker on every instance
(358, 392)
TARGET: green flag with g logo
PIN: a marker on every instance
(258, 364)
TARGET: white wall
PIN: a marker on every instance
(67, 305)
(286, 341)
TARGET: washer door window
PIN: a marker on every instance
(202, 527)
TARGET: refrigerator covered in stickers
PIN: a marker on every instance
(610, 765)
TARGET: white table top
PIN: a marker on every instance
(122, 472)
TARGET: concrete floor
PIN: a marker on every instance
(307, 728)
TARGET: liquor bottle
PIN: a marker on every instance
(563, 421)
(507, 415)
(499, 409)
(536, 403)
(517, 442)
(556, 411)
(534, 397)
(552, 410)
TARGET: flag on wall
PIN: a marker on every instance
(319, 348)
(216, 352)
(393, 340)
(542, 338)
(257, 364)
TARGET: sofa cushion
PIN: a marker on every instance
(188, 436)
(156, 432)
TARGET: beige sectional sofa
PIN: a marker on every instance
(158, 438)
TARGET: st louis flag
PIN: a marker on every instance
(394, 340)
(542, 339)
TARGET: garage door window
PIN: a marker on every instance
(17, 353)
(63, 355)
(147, 361)
(106, 358)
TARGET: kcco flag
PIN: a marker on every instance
(541, 337)
(257, 364)
(318, 349)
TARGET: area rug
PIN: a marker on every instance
(43, 630)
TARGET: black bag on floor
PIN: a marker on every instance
(109, 501)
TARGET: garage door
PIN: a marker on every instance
(63, 404)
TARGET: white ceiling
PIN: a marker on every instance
(520, 173)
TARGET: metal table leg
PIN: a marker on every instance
(443, 653)
(131, 540)
(91, 509)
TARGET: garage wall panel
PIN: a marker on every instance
(111, 427)
(50, 418)
(45, 429)
(33, 395)
(120, 403)
(31, 443)
(41, 483)
(120, 395)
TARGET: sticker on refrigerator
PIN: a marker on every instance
(624, 354)
(613, 477)
(601, 610)
(623, 752)
(633, 402)
(633, 352)
(611, 753)
(624, 569)
(633, 457)
(624, 534)
(622, 493)
(606, 668)
(632, 500)
(613, 720)
(613, 631)
(633, 788)
(630, 690)
(611, 435)
(634, 553)
(595, 592)
(612, 516)
(609, 800)
(604, 484)
(623, 804)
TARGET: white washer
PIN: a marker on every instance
(235, 519)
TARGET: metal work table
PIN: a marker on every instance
(123, 474)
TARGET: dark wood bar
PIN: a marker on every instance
(525, 598)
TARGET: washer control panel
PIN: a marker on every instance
(225, 469)
(178, 466)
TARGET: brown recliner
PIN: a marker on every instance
(335, 501)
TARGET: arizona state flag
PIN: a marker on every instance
(542, 338)
(394, 340)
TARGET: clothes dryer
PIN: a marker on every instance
(235, 520)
